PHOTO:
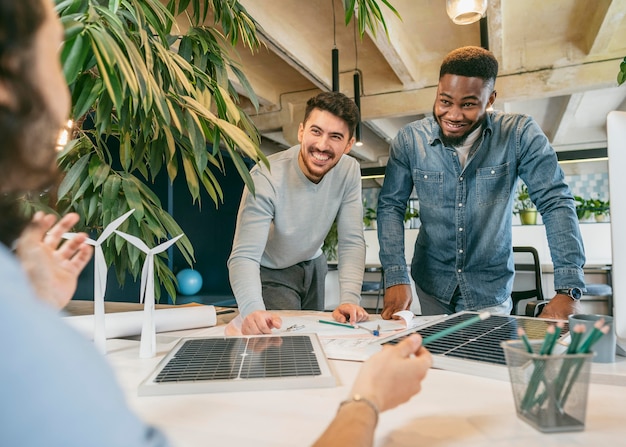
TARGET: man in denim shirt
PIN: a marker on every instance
(464, 163)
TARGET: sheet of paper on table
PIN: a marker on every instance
(357, 344)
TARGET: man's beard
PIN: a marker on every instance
(457, 141)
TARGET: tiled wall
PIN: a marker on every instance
(590, 186)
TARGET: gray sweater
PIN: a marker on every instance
(288, 220)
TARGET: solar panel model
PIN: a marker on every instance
(476, 349)
(220, 364)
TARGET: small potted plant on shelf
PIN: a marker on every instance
(584, 208)
(524, 206)
(600, 209)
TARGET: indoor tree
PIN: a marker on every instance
(151, 92)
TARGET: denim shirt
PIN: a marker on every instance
(465, 238)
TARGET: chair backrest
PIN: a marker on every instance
(527, 282)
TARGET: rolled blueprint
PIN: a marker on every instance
(128, 324)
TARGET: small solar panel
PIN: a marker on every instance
(220, 364)
(476, 348)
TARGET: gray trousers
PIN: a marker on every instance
(299, 287)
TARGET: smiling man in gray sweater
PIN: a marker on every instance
(277, 260)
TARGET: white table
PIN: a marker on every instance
(453, 409)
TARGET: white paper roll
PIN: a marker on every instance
(128, 324)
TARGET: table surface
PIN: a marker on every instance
(452, 408)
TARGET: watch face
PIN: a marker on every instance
(576, 293)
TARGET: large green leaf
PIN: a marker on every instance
(72, 177)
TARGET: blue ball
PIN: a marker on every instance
(189, 281)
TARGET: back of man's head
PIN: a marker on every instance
(338, 104)
(471, 62)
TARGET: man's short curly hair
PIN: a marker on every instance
(338, 104)
(472, 62)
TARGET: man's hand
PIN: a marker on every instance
(52, 264)
(393, 375)
(260, 322)
(397, 298)
(559, 308)
(348, 312)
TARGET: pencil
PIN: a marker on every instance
(575, 335)
(548, 341)
(591, 337)
(456, 327)
(335, 323)
(522, 334)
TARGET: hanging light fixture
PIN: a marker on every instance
(335, 55)
(464, 12)
(357, 87)
(357, 101)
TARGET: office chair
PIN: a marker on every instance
(527, 282)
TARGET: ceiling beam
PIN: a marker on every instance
(494, 25)
(274, 26)
(396, 48)
(537, 84)
(604, 25)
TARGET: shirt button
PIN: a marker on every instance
(425, 176)
(459, 270)
(460, 179)
(461, 251)
(493, 172)
(460, 205)
(461, 229)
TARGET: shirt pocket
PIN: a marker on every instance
(428, 186)
(492, 184)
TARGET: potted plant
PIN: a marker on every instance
(524, 206)
(584, 208)
(600, 209)
(150, 96)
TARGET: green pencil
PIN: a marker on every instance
(456, 327)
(335, 323)
(591, 337)
(575, 335)
(522, 334)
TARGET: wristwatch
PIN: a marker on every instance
(574, 293)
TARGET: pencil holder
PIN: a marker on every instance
(550, 391)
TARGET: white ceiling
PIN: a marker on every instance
(558, 62)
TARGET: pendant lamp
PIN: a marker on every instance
(464, 12)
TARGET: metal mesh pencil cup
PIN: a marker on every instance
(550, 391)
